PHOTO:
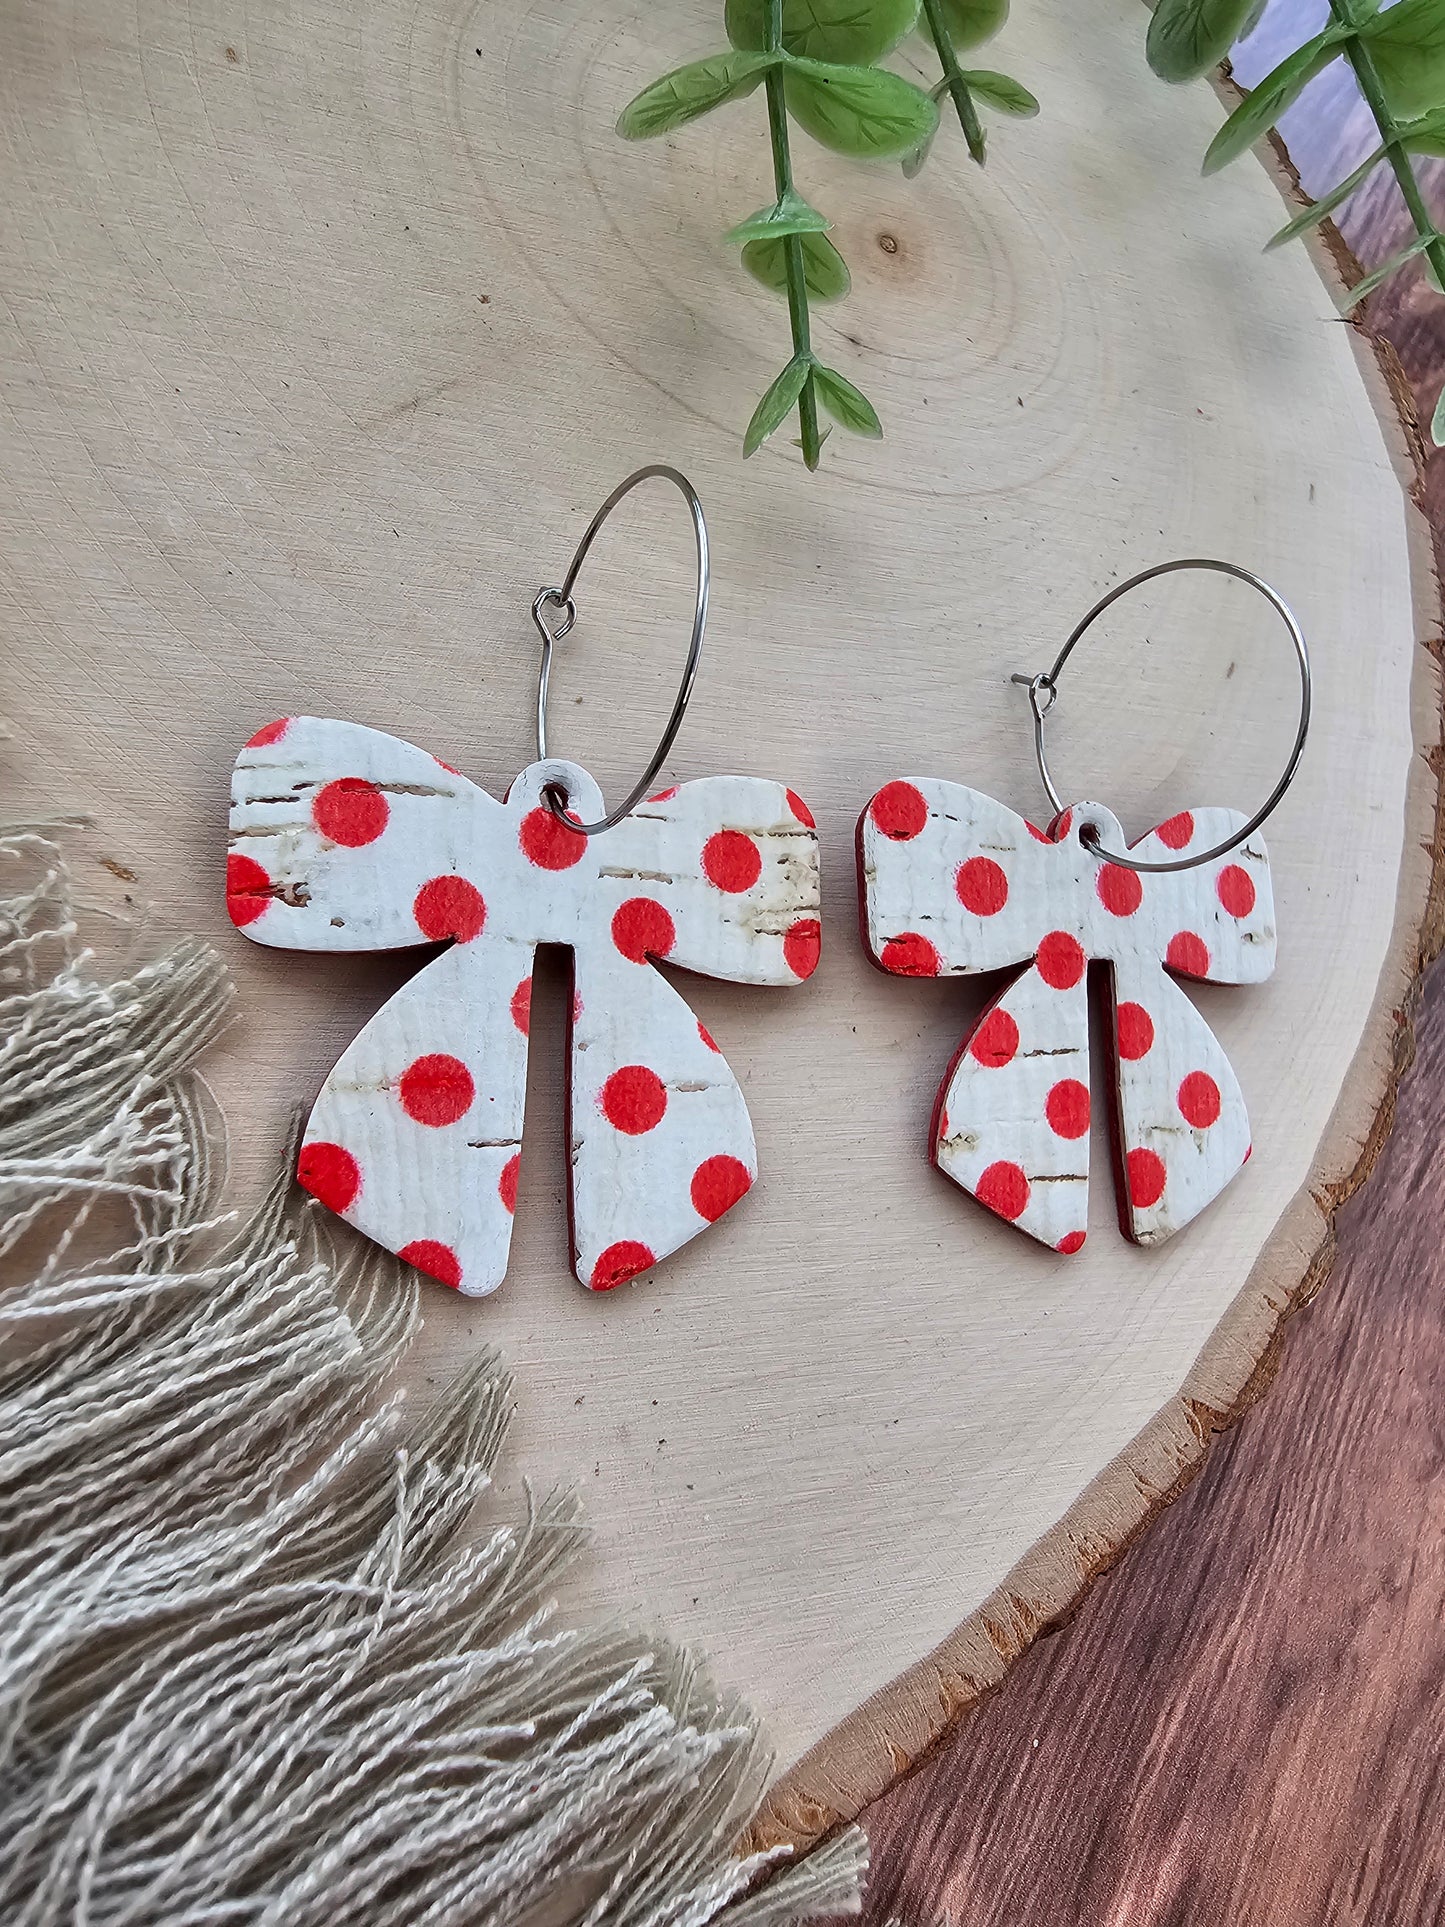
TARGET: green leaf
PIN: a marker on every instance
(848, 405)
(790, 215)
(1262, 108)
(825, 272)
(855, 33)
(777, 404)
(1001, 92)
(689, 91)
(1326, 204)
(863, 111)
(1385, 270)
(1425, 135)
(913, 161)
(1407, 44)
(1437, 422)
(971, 22)
(1188, 37)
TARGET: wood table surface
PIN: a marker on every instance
(1242, 1722)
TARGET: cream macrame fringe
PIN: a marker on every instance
(252, 1667)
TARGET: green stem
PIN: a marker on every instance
(1358, 54)
(958, 89)
(792, 243)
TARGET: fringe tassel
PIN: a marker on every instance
(253, 1669)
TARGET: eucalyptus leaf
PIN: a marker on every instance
(1260, 109)
(1386, 268)
(777, 404)
(865, 112)
(1326, 204)
(1188, 37)
(1001, 92)
(825, 272)
(971, 22)
(854, 33)
(848, 405)
(1406, 42)
(915, 161)
(1425, 135)
(790, 215)
(688, 91)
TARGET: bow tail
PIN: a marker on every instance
(1011, 1124)
(661, 1142)
(1181, 1129)
(416, 1136)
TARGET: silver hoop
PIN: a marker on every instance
(561, 598)
(1045, 685)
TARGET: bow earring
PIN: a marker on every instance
(953, 883)
(344, 839)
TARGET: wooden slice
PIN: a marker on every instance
(326, 331)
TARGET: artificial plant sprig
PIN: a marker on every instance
(953, 26)
(816, 61)
(1397, 55)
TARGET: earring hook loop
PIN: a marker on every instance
(1045, 685)
(560, 599)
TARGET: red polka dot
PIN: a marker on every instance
(911, 955)
(1236, 890)
(732, 861)
(802, 946)
(641, 928)
(1134, 1028)
(1004, 1189)
(1071, 1242)
(449, 907)
(982, 886)
(522, 1005)
(1145, 1171)
(549, 844)
(269, 733)
(1061, 960)
(248, 889)
(330, 1173)
(1056, 831)
(1199, 1100)
(436, 1090)
(437, 1260)
(350, 811)
(1188, 954)
(706, 1035)
(899, 811)
(663, 796)
(1120, 891)
(620, 1262)
(717, 1184)
(801, 811)
(507, 1182)
(1177, 831)
(634, 1099)
(1067, 1108)
(995, 1041)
